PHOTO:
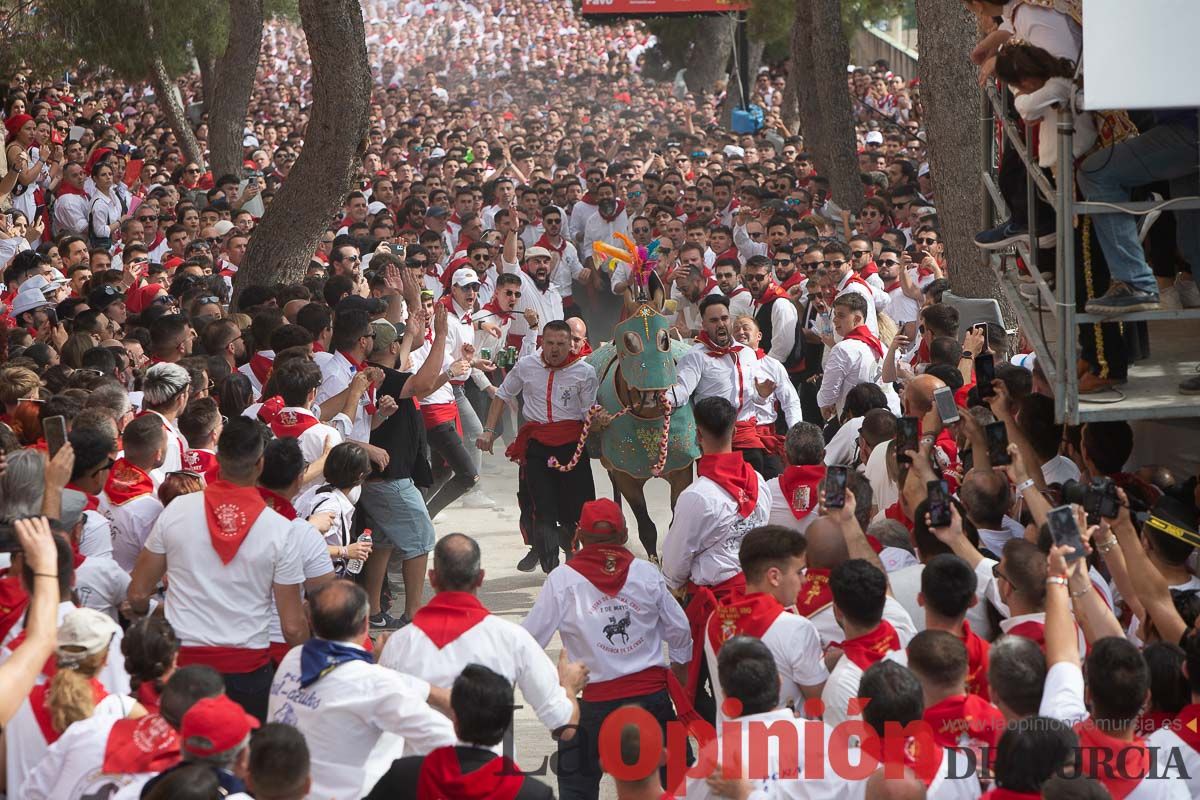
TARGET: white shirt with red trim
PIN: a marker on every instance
(356, 719)
(444, 393)
(550, 395)
(849, 363)
(131, 523)
(893, 612)
(781, 512)
(312, 440)
(211, 604)
(249, 373)
(741, 303)
(700, 375)
(706, 533)
(548, 303)
(613, 636)
(784, 394)
(494, 642)
(336, 374)
(799, 658)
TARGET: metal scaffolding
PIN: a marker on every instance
(1156, 395)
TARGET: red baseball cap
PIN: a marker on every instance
(601, 512)
(215, 725)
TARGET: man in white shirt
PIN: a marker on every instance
(614, 612)
(693, 283)
(726, 272)
(772, 309)
(846, 280)
(774, 393)
(557, 390)
(454, 629)
(130, 497)
(569, 267)
(165, 395)
(71, 204)
(772, 559)
(297, 381)
(538, 292)
(795, 491)
(225, 555)
(609, 220)
(857, 358)
(342, 391)
(332, 690)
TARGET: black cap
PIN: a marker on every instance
(104, 297)
(371, 305)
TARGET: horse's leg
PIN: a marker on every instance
(616, 490)
(680, 479)
(631, 490)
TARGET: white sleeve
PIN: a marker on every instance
(546, 616)
(747, 247)
(783, 329)
(675, 628)
(789, 401)
(400, 707)
(591, 385)
(512, 384)
(537, 677)
(509, 266)
(154, 541)
(620, 274)
(288, 568)
(807, 663)
(314, 552)
(1062, 693)
(38, 783)
(687, 375)
(680, 545)
(833, 378)
(839, 689)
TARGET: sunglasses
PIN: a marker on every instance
(754, 278)
(192, 170)
(860, 252)
(107, 465)
(783, 262)
(212, 298)
(150, 218)
(511, 293)
(927, 241)
(831, 263)
(887, 262)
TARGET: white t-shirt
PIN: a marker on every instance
(100, 583)
(72, 768)
(706, 533)
(345, 715)
(214, 604)
(314, 562)
(131, 522)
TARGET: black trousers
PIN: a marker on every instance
(251, 690)
(764, 462)
(554, 499)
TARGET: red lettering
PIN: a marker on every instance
(788, 751)
(839, 750)
(650, 745)
(814, 747)
(706, 761)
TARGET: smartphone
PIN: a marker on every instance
(939, 503)
(983, 326)
(908, 435)
(943, 397)
(1064, 530)
(997, 444)
(835, 487)
(985, 373)
(54, 429)
(967, 459)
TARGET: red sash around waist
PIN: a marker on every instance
(703, 602)
(551, 434)
(746, 435)
(226, 660)
(639, 684)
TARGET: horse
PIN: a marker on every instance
(617, 628)
(645, 437)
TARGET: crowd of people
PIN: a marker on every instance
(887, 533)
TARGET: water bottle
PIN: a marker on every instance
(355, 565)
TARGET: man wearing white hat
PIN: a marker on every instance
(538, 292)
(29, 306)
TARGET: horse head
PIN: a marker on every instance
(643, 346)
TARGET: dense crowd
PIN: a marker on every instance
(890, 555)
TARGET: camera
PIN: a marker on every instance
(1098, 497)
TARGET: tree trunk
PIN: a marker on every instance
(820, 54)
(799, 61)
(208, 77)
(168, 96)
(709, 56)
(950, 96)
(315, 189)
(229, 96)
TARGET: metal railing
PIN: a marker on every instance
(1058, 357)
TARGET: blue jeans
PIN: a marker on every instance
(1164, 152)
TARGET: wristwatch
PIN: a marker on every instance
(966, 354)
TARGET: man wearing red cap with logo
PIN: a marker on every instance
(700, 551)
(215, 732)
(613, 612)
(557, 389)
(225, 555)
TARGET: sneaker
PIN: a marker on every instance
(1190, 386)
(1189, 293)
(1170, 299)
(476, 499)
(529, 562)
(387, 621)
(1009, 233)
(549, 562)
(1121, 298)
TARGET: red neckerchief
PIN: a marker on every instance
(863, 334)
(923, 272)
(795, 279)
(922, 356)
(738, 290)
(13, 602)
(854, 279)
(261, 366)
(127, 482)
(1009, 794)
(758, 351)
(772, 293)
(965, 720)
(869, 270)
(918, 753)
(712, 284)
(449, 615)
(278, 503)
(494, 308)
(606, 566)
(871, 647)
(749, 615)
(202, 462)
(544, 241)
(894, 511)
(291, 422)
(799, 487)
(893, 286)
(814, 593)
(359, 366)
(41, 712)
(270, 408)
(441, 777)
(1190, 735)
(716, 351)
(230, 511)
(616, 211)
(737, 478)
(93, 502)
(65, 189)
(447, 300)
(146, 744)
(571, 359)
(149, 697)
(318, 347)
(977, 662)
(731, 252)
(1122, 778)
(1030, 629)
(585, 349)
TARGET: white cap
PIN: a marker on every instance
(37, 283)
(375, 207)
(249, 140)
(538, 252)
(464, 276)
(28, 300)
(874, 137)
(223, 227)
(84, 632)
(923, 170)
(57, 278)
(733, 151)
(437, 152)
(1025, 360)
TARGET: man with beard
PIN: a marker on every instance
(610, 219)
(717, 366)
(901, 286)
(730, 284)
(538, 292)
(774, 310)
(223, 338)
(693, 282)
(568, 267)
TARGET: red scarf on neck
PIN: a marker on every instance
(731, 472)
(616, 211)
(773, 292)
(41, 711)
(449, 615)
(494, 307)
(855, 279)
(1188, 715)
(1031, 629)
(289, 423)
(795, 279)
(863, 334)
(606, 566)
(359, 366)
(814, 594)
(977, 662)
(202, 462)
(749, 615)
(261, 366)
(1097, 748)
(965, 720)
(799, 486)
(441, 778)
(92, 503)
(714, 350)
(278, 503)
(65, 189)
(1009, 794)
(447, 300)
(231, 511)
(870, 269)
(918, 753)
(127, 482)
(571, 359)
(871, 647)
(147, 744)
(544, 241)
